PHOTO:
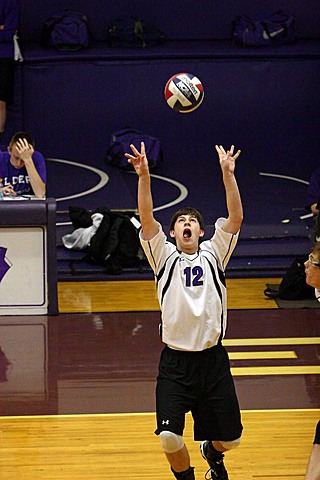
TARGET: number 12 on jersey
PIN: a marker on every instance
(193, 276)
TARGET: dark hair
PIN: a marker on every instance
(187, 211)
(19, 135)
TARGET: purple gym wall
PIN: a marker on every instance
(265, 101)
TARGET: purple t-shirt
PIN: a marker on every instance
(9, 14)
(18, 177)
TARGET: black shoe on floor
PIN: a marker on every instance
(217, 470)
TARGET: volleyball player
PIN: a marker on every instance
(194, 372)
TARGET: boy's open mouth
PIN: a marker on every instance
(186, 233)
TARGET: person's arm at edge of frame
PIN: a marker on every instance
(313, 467)
(314, 209)
(233, 198)
(139, 161)
(11, 22)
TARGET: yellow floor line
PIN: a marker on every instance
(242, 342)
(277, 370)
(259, 355)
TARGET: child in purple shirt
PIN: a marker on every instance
(22, 169)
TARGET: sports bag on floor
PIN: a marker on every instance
(66, 30)
(115, 245)
(129, 31)
(120, 144)
(264, 30)
(293, 286)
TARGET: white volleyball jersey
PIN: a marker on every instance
(191, 289)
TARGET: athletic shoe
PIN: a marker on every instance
(217, 470)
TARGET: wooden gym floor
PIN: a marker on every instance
(77, 390)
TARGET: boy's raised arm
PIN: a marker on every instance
(233, 199)
(145, 203)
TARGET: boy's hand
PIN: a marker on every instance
(8, 191)
(24, 149)
(139, 159)
(227, 159)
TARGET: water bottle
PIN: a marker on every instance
(1, 187)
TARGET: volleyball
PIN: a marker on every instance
(184, 92)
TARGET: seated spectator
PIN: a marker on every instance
(23, 169)
(313, 192)
(312, 268)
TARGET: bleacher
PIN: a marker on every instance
(261, 252)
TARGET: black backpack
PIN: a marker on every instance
(127, 31)
(115, 244)
(66, 30)
(293, 286)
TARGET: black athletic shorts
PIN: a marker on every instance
(317, 434)
(199, 382)
(6, 80)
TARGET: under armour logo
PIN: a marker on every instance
(165, 422)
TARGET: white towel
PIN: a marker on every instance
(80, 238)
(17, 52)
